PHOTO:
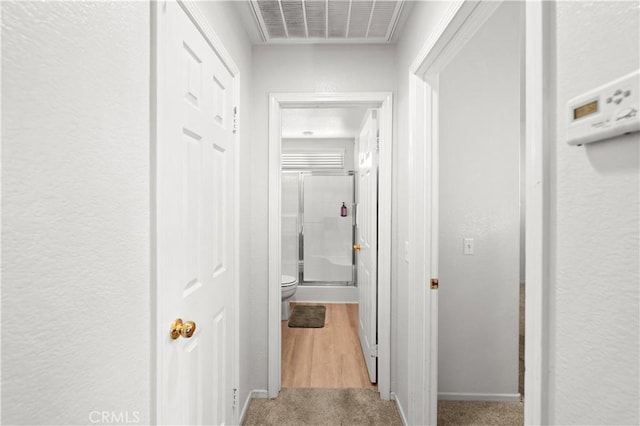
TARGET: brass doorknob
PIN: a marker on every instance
(178, 328)
(356, 247)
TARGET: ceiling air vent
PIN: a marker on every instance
(313, 160)
(322, 21)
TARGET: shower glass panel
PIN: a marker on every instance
(328, 236)
(290, 211)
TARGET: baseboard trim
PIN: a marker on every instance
(256, 393)
(501, 397)
(403, 417)
(325, 294)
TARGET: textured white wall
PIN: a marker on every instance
(423, 18)
(316, 68)
(479, 198)
(227, 24)
(595, 260)
(75, 197)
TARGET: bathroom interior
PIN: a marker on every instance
(318, 213)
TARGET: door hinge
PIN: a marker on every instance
(434, 283)
(235, 398)
(374, 351)
(235, 120)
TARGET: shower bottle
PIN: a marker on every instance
(343, 210)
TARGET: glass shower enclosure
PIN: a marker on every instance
(318, 226)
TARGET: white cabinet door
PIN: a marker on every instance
(195, 222)
(367, 227)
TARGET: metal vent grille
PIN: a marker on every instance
(312, 160)
(327, 20)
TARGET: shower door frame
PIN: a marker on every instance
(301, 175)
(277, 102)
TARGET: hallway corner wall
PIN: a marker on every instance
(595, 253)
(76, 179)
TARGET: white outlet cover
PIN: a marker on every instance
(468, 246)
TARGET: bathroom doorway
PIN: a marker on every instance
(319, 165)
(326, 260)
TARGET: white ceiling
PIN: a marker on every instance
(323, 122)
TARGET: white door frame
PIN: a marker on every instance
(191, 9)
(461, 20)
(277, 102)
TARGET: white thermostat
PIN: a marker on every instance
(606, 112)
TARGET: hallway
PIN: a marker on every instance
(139, 205)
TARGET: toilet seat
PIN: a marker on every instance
(288, 281)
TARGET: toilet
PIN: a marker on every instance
(288, 286)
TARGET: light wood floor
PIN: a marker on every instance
(328, 357)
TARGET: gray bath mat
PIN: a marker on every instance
(307, 316)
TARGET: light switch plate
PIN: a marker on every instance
(468, 246)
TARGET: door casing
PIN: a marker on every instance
(277, 102)
(460, 22)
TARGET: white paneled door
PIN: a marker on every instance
(367, 237)
(195, 223)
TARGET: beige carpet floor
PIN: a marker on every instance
(297, 406)
(480, 413)
(309, 406)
